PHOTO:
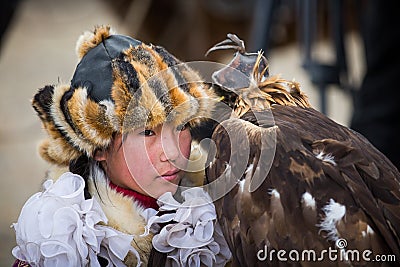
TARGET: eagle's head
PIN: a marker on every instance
(245, 82)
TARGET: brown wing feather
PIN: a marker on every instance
(353, 174)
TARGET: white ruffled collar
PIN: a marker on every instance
(59, 226)
(193, 236)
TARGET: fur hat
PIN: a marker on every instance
(119, 84)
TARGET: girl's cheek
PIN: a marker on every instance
(185, 143)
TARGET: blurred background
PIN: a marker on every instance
(318, 45)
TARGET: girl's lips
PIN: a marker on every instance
(171, 175)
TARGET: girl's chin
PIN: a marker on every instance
(170, 187)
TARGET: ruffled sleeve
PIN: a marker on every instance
(193, 236)
(59, 226)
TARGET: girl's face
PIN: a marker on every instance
(149, 161)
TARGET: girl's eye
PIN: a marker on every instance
(147, 133)
(182, 127)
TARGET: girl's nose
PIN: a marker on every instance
(170, 145)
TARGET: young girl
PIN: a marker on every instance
(123, 128)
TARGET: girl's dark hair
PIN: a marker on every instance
(82, 166)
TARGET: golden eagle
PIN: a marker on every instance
(293, 187)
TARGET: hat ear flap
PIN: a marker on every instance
(57, 151)
(54, 149)
(89, 40)
(42, 102)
